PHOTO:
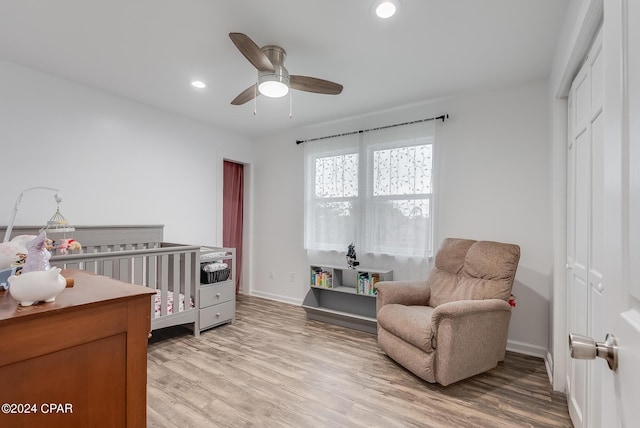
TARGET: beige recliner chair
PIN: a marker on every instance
(453, 325)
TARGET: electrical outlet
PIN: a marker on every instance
(292, 276)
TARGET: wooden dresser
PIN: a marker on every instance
(80, 361)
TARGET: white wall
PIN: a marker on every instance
(116, 161)
(493, 178)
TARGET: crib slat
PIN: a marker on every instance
(164, 282)
(107, 268)
(123, 269)
(115, 269)
(137, 270)
(175, 284)
(186, 278)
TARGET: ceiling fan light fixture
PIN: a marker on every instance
(385, 8)
(273, 85)
(273, 89)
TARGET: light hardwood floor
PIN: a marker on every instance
(275, 368)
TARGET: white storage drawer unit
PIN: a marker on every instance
(217, 314)
(213, 294)
(217, 300)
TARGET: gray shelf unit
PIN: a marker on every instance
(341, 304)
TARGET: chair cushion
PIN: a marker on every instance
(486, 270)
(410, 323)
(492, 260)
(452, 253)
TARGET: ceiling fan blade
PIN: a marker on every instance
(247, 95)
(251, 51)
(312, 84)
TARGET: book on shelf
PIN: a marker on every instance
(366, 283)
(321, 278)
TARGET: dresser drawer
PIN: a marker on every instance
(217, 314)
(216, 293)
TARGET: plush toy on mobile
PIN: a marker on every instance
(65, 245)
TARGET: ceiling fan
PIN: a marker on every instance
(273, 78)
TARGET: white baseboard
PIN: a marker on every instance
(548, 363)
(534, 351)
(276, 297)
(527, 349)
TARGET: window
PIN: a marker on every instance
(373, 189)
(399, 210)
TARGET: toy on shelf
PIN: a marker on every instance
(351, 256)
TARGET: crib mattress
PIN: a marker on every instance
(170, 304)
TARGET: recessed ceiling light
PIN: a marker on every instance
(385, 8)
(198, 84)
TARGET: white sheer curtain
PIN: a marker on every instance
(373, 189)
(331, 192)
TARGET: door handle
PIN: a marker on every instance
(585, 348)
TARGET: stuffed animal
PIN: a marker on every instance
(23, 239)
(62, 245)
(65, 245)
(37, 255)
(10, 254)
(74, 245)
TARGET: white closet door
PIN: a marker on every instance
(585, 231)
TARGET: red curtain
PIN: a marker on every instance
(233, 190)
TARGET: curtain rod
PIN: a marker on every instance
(441, 117)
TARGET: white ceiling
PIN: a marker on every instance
(149, 51)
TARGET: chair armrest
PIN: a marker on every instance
(462, 308)
(474, 318)
(403, 293)
(469, 337)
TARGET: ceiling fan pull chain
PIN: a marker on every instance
(255, 99)
(290, 104)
